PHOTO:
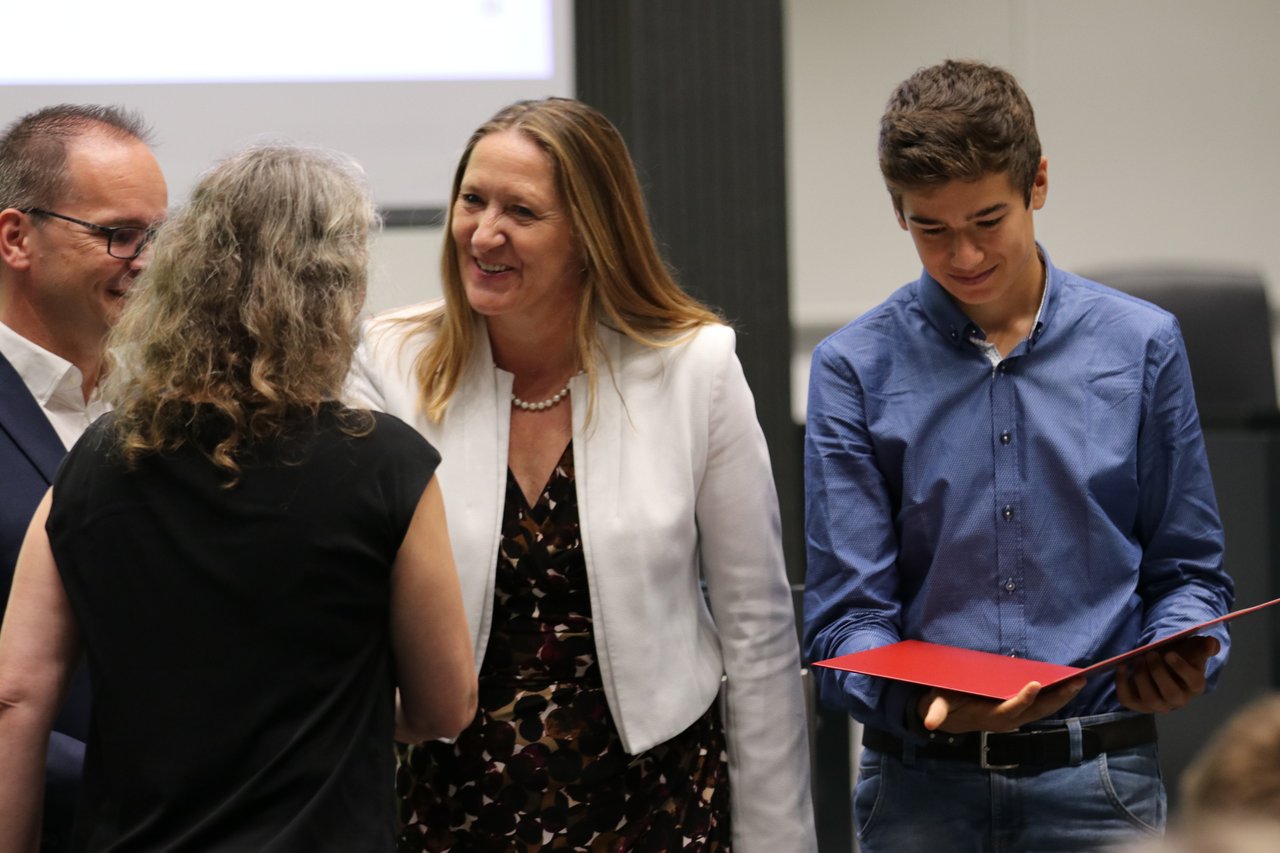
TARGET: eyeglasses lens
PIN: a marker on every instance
(127, 243)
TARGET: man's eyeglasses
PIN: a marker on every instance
(123, 242)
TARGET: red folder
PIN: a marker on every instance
(986, 674)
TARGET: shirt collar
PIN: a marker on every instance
(45, 374)
(954, 325)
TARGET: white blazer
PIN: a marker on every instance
(674, 486)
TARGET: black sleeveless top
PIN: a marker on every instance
(237, 638)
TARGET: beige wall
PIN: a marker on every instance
(405, 267)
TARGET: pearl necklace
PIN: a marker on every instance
(544, 405)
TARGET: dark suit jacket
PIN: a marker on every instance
(30, 451)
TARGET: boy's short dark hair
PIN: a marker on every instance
(958, 120)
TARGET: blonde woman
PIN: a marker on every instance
(614, 520)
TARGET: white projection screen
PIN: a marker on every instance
(398, 85)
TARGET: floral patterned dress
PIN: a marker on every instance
(541, 767)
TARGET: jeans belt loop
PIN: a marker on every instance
(1076, 734)
(982, 755)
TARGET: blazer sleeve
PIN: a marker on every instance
(740, 551)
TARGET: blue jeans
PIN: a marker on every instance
(907, 803)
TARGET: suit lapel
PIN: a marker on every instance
(26, 424)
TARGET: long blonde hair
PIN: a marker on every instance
(626, 284)
(249, 307)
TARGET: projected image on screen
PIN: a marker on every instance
(262, 42)
(399, 86)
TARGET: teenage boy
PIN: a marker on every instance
(1006, 457)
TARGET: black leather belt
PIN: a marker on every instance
(1047, 747)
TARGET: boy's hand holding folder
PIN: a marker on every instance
(982, 691)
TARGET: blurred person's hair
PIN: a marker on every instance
(1216, 835)
(1237, 772)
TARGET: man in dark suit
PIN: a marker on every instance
(80, 192)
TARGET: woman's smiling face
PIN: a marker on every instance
(516, 250)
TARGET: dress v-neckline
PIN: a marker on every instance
(541, 494)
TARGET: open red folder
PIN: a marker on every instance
(984, 673)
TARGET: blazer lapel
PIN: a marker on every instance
(598, 431)
(472, 441)
(26, 423)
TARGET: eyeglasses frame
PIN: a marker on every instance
(148, 234)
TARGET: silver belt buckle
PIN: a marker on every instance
(982, 755)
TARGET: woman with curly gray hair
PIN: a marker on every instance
(260, 576)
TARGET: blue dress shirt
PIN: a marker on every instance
(1056, 506)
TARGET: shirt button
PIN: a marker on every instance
(1006, 437)
(1007, 513)
(1013, 653)
(1009, 585)
(1004, 367)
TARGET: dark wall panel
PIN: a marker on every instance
(697, 90)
